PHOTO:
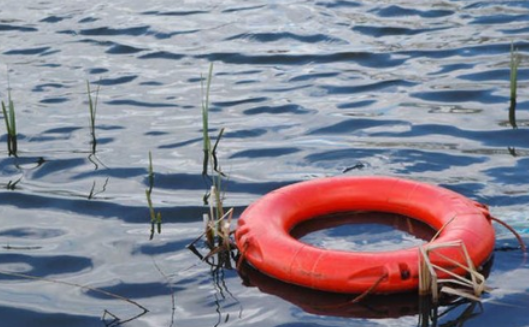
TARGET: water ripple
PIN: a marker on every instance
(303, 89)
(175, 13)
(481, 96)
(387, 86)
(132, 291)
(399, 11)
(123, 49)
(162, 55)
(375, 60)
(273, 37)
(275, 110)
(43, 266)
(384, 31)
(46, 86)
(500, 19)
(54, 100)
(22, 317)
(355, 125)
(339, 4)
(503, 138)
(108, 31)
(261, 153)
(9, 27)
(53, 19)
(239, 9)
(115, 81)
(28, 52)
(238, 102)
(136, 103)
(183, 181)
(32, 233)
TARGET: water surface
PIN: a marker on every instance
(305, 89)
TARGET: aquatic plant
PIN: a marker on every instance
(11, 127)
(156, 218)
(515, 62)
(210, 152)
(217, 223)
(93, 191)
(11, 185)
(205, 121)
(210, 160)
(92, 108)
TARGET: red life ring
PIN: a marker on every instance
(263, 233)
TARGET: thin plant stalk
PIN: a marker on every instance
(11, 127)
(93, 191)
(156, 218)
(209, 149)
(92, 107)
(515, 62)
(205, 124)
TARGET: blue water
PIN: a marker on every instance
(304, 89)
(363, 232)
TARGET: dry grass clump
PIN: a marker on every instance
(471, 287)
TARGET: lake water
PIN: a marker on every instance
(305, 89)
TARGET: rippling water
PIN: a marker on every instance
(304, 88)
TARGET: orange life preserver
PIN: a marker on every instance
(263, 233)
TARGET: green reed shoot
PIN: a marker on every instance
(210, 151)
(92, 107)
(210, 161)
(11, 127)
(217, 222)
(156, 218)
(515, 62)
(205, 121)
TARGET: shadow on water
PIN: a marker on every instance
(103, 209)
(22, 317)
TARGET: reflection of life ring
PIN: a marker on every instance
(333, 304)
(263, 233)
(342, 305)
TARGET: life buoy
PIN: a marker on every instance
(263, 233)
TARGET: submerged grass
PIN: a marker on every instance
(93, 191)
(11, 127)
